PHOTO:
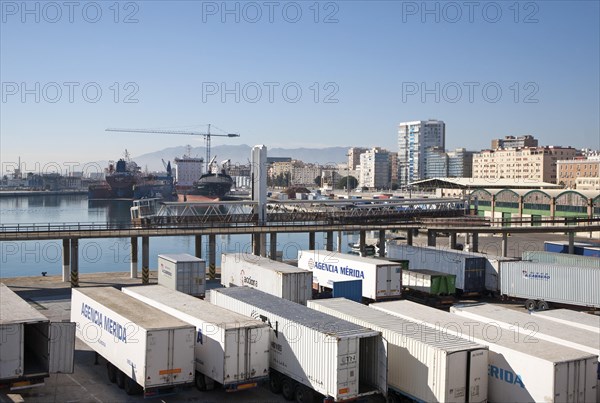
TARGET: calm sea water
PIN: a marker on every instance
(31, 258)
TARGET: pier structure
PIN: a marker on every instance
(434, 216)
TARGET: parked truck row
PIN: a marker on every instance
(538, 279)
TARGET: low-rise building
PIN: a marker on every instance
(537, 164)
(568, 171)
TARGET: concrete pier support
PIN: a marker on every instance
(134, 257)
(409, 237)
(475, 242)
(75, 262)
(212, 256)
(452, 240)
(263, 245)
(66, 258)
(145, 260)
(256, 244)
(571, 242)
(329, 241)
(273, 245)
(363, 242)
(505, 244)
(311, 240)
(198, 246)
(381, 243)
(339, 241)
(431, 237)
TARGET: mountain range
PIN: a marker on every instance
(240, 154)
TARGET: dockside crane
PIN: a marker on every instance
(207, 135)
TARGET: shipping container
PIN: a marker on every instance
(231, 349)
(579, 248)
(381, 279)
(311, 351)
(145, 349)
(273, 277)
(521, 368)
(582, 320)
(182, 272)
(541, 283)
(561, 258)
(469, 270)
(349, 289)
(429, 281)
(544, 329)
(591, 251)
(422, 364)
(31, 347)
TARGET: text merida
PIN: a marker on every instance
(344, 270)
(99, 319)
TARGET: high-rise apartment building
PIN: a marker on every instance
(375, 169)
(414, 138)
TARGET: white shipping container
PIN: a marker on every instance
(275, 278)
(182, 272)
(31, 347)
(522, 368)
(381, 279)
(231, 349)
(421, 363)
(331, 356)
(149, 346)
(544, 329)
(551, 282)
(470, 270)
(569, 317)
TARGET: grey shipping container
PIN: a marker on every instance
(310, 349)
(182, 272)
(561, 258)
(522, 367)
(270, 276)
(31, 347)
(422, 364)
(551, 282)
(469, 270)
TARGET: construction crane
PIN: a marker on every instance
(207, 135)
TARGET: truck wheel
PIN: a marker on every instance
(111, 371)
(120, 378)
(131, 386)
(275, 382)
(200, 382)
(304, 394)
(530, 305)
(543, 306)
(288, 389)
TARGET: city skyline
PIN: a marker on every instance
(336, 74)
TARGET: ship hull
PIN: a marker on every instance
(213, 186)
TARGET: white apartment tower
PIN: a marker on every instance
(414, 138)
(375, 169)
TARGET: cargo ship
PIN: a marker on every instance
(124, 180)
(214, 185)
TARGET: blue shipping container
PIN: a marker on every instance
(350, 289)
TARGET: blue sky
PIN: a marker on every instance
(382, 61)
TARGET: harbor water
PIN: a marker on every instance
(31, 258)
